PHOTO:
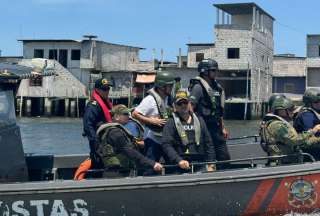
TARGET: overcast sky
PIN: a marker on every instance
(167, 24)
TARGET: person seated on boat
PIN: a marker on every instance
(278, 136)
(96, 113)
(309, 116)
(118, 149)
(186, 138)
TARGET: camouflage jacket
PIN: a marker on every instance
(281, 138)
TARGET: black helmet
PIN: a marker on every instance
(164, 78)
(282, 104)
(273, 97)
(206, 65)
(310, 96)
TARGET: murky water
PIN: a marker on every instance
(63, 135)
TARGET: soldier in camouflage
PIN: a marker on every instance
(278, 136)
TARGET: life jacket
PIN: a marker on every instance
(105, 105)
(267, 140)
(216, 96)
(182, 133)
(140, 127)
(162, 109)
(107, 152)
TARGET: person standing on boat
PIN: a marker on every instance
(185, 136)
(309, 116)
(278, 136)
(207, 99)
(96, 113)
(153, 112)
(118, 148)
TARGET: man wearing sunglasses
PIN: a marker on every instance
(96, 113)
(186, 138)
(207, 99)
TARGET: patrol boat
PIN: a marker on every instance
(41, 185)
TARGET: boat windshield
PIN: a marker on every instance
(7, 113)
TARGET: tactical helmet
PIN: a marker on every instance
(310, 96)
(164, 78)
(206, 65)
(273, 97)
(282, 104)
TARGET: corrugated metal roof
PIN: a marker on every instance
(15, 69)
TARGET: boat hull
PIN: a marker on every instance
(258, 191)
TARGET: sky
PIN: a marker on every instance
(151, 24)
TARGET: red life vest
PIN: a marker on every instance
(105, 105)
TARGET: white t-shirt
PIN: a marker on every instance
(148, 107)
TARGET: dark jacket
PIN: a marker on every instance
(176, 151)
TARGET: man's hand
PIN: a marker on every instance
(183, 164)
(157, 121)
(157, 167)
(316, 129)
(139, 143)
(211, 168)
(225, 133)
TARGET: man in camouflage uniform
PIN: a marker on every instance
(279, 137)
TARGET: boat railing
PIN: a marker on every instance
(251, 161)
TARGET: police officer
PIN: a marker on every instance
(185, 136)
(96, 113)
(279, 137)
(117, 148)
(309, 116)
(207, 99)
(153, 112)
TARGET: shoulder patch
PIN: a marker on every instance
(93, 102)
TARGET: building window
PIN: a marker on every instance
(319, 50)
(38, 53)
(35, 81)
(288, 88)
(233, 53)
(199, 57)
(53, 54)
(75, 54)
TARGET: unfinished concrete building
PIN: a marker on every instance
(313, 60)
(243, 49)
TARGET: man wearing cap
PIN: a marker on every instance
(186, 138)
(207, 99)
(96, 113)
(153, 112)
(118, 147)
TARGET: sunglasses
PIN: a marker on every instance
(184, 102)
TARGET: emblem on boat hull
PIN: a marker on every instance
(302, 193)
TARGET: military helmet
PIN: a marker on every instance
(282, 103)
(273, 97)
(310, 96)
(206, 65)
(164, 78)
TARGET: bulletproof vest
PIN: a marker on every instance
(182, 133)
(162, 109)
(109, 153)
(298, 124)
(215, 98)
(268, 142)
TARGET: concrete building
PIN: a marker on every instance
(313, 60)
(289, 75)
(243, 48)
